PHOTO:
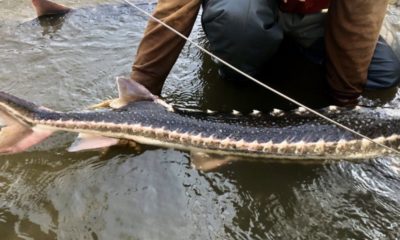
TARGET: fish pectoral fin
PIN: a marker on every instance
(208, 162)
(90, 142)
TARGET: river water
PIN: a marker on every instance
(70, 62)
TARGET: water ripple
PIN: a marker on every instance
(47, 193)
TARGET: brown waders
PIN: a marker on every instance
(248, 32)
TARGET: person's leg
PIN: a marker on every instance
(45, 7)
(384, 70)
(242, 32)
(308, 31)
(351, 35)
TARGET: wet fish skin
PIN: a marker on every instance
(296, 135)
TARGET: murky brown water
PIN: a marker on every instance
(48, 193)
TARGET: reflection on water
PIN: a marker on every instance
(70, 61)
(157, 195)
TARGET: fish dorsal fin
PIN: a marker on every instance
(90, 142)
(130, 91)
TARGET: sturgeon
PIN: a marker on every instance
(139, 116)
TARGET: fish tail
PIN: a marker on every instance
(17, 132)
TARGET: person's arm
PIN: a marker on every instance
(160, 47)
(352, 33)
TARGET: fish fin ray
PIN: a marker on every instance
(115, 103)
(103, 104)
(91, 142)
(132, 91)
(6, 119)
(16, 137)
(208, 162)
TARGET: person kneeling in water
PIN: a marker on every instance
(248, 34)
